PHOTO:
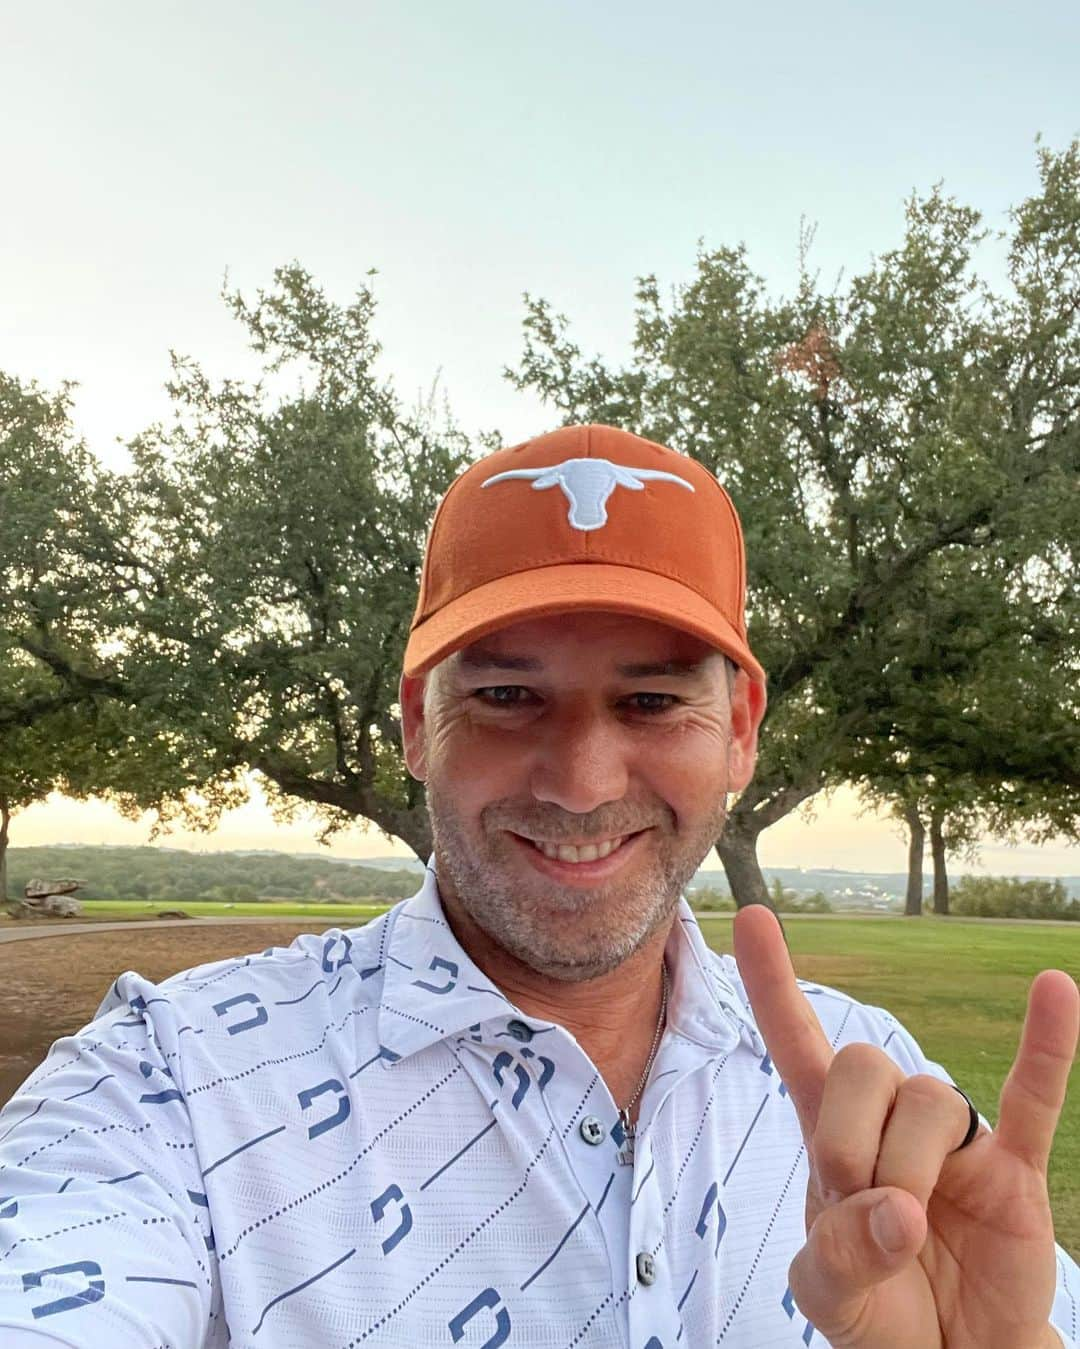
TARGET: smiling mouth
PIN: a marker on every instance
(586, 852)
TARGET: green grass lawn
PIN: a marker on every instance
(960, 987)
(330, 915)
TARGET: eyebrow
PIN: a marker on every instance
(477, 658)
(668, 669)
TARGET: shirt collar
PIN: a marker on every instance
(705, 1004)
(433, 990)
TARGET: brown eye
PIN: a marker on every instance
(651, 703)
(501, 695)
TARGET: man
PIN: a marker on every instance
(529, 1106)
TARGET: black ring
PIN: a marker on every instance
(973, 1123)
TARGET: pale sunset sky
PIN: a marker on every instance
(469, 153)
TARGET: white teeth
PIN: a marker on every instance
(589, 852)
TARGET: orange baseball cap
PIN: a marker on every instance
(585, 518)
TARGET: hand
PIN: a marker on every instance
(910, 1244)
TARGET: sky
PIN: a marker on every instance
(470, 153)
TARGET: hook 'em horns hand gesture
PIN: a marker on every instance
(909, 1243)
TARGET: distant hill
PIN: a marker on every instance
(843, 889)
(177, 874)
(386, 863)
(850, 889)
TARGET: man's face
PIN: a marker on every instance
(602, 732)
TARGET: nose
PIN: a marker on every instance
(581, 764)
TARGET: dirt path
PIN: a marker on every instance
(23, 931)
(52, 987)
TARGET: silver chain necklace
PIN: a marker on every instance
(626, 1153)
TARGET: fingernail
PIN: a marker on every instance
(831, 1197)
(887, 1227)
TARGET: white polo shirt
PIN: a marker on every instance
(358, 1141)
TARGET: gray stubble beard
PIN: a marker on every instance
(549, 930)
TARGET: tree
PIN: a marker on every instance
(275, 559)
(47, 495)
(871, 438)
(247, 588)
(71, 717)
(913, 804)
(979, 731)
(59, 752)
(51, 678)
(913, 896)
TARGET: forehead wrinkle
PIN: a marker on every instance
(666, 669)
(480, 658)
(473, 659)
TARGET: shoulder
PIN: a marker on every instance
(278, 995)
(213, 1047)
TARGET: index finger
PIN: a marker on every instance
(789, 1026)
(1034, 1092)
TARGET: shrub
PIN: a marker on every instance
(1010, 897)
(789, 901)
(710, 900)
(234, 893)
(812, 903)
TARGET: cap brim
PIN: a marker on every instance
(567, 588)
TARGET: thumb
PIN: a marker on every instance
(853, 1246)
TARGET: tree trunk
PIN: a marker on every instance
(941, 875)
(737, 849)
(5, 820)
(917, 831)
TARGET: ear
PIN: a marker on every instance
(747, 710)
(411, 698)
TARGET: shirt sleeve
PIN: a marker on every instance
(901, 1046)
(104, 1234)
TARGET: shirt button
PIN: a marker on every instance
(592, 1130)
(520, 1031)
(646, 1268)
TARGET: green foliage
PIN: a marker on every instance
(707, 899)
(172, 874)
(788, 901)
(280, 535)
(241, 892)
(1009, 897)
(53, 673)
(69, 720)
(815, 902)
(902, 453)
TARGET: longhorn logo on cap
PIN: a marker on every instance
(587, 484)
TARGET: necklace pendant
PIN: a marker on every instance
(623, 1133)
(625, 1154)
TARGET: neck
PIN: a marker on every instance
(613, 1016)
